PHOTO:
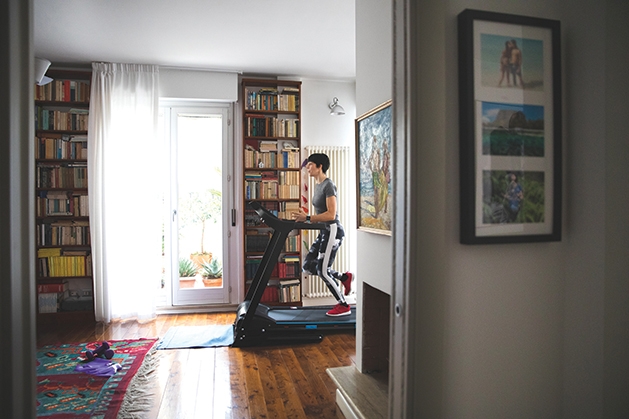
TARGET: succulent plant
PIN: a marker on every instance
(214, 269)
(187, 268)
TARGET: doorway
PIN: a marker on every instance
(196, 196)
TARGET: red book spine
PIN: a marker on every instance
(48, 288)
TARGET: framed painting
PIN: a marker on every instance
(373, 166)
(510, 128)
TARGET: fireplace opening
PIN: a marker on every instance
(376, 325)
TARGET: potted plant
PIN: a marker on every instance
(201, 208)
(200, 258)
(187, 272)
(212, 273)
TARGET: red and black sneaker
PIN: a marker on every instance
(339, 310)
(346, 280)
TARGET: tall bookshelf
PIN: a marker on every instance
(64, 268)
(272, 176)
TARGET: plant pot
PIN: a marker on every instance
(200, 258)
(213, 282)
(187, 282)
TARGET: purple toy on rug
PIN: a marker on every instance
(65, 392)
(99, 367)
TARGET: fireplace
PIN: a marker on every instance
(364, 393)
(375, 333)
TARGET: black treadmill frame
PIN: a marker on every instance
(253, 323)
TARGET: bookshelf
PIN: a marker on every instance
(64, 269)
(272, 175)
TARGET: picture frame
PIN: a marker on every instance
(510, 128)
(374, 169)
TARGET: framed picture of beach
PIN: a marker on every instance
(373, 170)
(510, 128)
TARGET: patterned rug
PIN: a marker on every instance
(63, 392)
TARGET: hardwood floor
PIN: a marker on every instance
(238, 383)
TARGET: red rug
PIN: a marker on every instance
(64, 393)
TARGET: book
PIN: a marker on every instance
(48, 252)
(289, 291)
(48, 302)
(52, 287)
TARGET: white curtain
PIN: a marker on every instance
(123, 167)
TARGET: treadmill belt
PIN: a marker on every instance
(309, 316)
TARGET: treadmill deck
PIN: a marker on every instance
(314, 316)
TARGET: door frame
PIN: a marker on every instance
(176, 298)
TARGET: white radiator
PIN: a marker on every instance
(339, 172)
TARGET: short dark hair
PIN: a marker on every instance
(320, 159)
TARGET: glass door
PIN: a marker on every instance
(196, 198)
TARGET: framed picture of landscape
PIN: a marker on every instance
(510, 128)
(373, 169)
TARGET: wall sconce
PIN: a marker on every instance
(41, 66)
(335, 108)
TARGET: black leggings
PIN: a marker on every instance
(322, 253)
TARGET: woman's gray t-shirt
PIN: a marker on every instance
(321, 192)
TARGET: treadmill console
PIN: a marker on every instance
(280, 224)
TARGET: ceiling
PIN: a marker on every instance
(304, 38)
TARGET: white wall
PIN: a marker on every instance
(321, 128)
(198, 84)
(522, 330)
(584, 288)
(374, 58)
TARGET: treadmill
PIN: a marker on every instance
(258, 324)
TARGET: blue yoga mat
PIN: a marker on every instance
(182, 337)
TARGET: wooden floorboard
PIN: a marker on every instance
(288, 381)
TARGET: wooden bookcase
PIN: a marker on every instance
(271, 111)
(64, 269)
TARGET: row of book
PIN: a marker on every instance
(64, 91)
(252, 262)
(50, 296)
(272, 159)
(269, 295)
(55, 262)
(256, 241)
(293, 244)
(288, 269)
(67, 147)
(289, 291)
(54, 203)
(271, 190)
(56, 266)
(270, 126)
(68, 175)
(63, 233)
(261, 176)
(286, 210)
(289, 178)
(252, 219)
(52, 119)
(267, 145)
(272, 185)
(270, 99)
(49, 302)
(66, 300)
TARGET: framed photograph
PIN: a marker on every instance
(373, 166)
(510, 128)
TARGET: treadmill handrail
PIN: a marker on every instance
(283, 225)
